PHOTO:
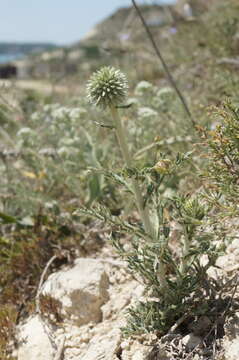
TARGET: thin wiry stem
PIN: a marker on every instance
(165, 66)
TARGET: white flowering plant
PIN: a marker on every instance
(173, 281)
(55, 134)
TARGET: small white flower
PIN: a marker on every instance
(163, 98)
(66, 151)
(133, 101)
(25, 131)
(76, 113)
(146, 113)
(36, 116)
(67, 142)
(60, 113)
(143, 87)
(47, 151)
(165, 92)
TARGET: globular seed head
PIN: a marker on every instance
(106, 87)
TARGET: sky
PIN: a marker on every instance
(59, 21)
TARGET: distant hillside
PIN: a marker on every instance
(124, 24)
(118, 39)
(24, 48)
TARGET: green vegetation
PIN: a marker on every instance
(175, 291)
(61, 169)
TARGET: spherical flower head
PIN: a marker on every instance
(107, 87)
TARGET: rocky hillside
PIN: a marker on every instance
(116, 35)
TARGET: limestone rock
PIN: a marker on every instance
(103, 346)
(227, 262)
(190, 341)
(215, 273)
(234, 247)
(34, 342)
(120, 297)
(231, 338)
(231, 349)
(133, 351)
(82, 290)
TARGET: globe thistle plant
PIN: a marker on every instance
(107, 87)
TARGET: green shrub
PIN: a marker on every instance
(222, 174)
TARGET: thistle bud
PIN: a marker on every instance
(107, 87)
(194, 209)
(163, 167)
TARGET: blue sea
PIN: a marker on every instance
(5, 58)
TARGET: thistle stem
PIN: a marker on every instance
(143, 211)
(186, 246)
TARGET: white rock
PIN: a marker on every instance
(190, 341)
(125, 345)
(227, 262)
(82, 290)
(230, 341)
(103, 346)
(34, 342)
(231, 349)
(139, 351)
(234, 247)
(138, 355)
(120, 298)
(215, 273)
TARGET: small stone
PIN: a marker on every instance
(234, 247)
(103, 346)
(85, 337)
(196, 357)
(34, 341)
(60, 331)
(231, 349)
(227, 262)
(82, 290)
(125, 345)
(215, 273)
(190, 341)
(138, 355)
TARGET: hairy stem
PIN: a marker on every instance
(186, 246)
(143, 211)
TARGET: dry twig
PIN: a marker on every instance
(41, 282)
